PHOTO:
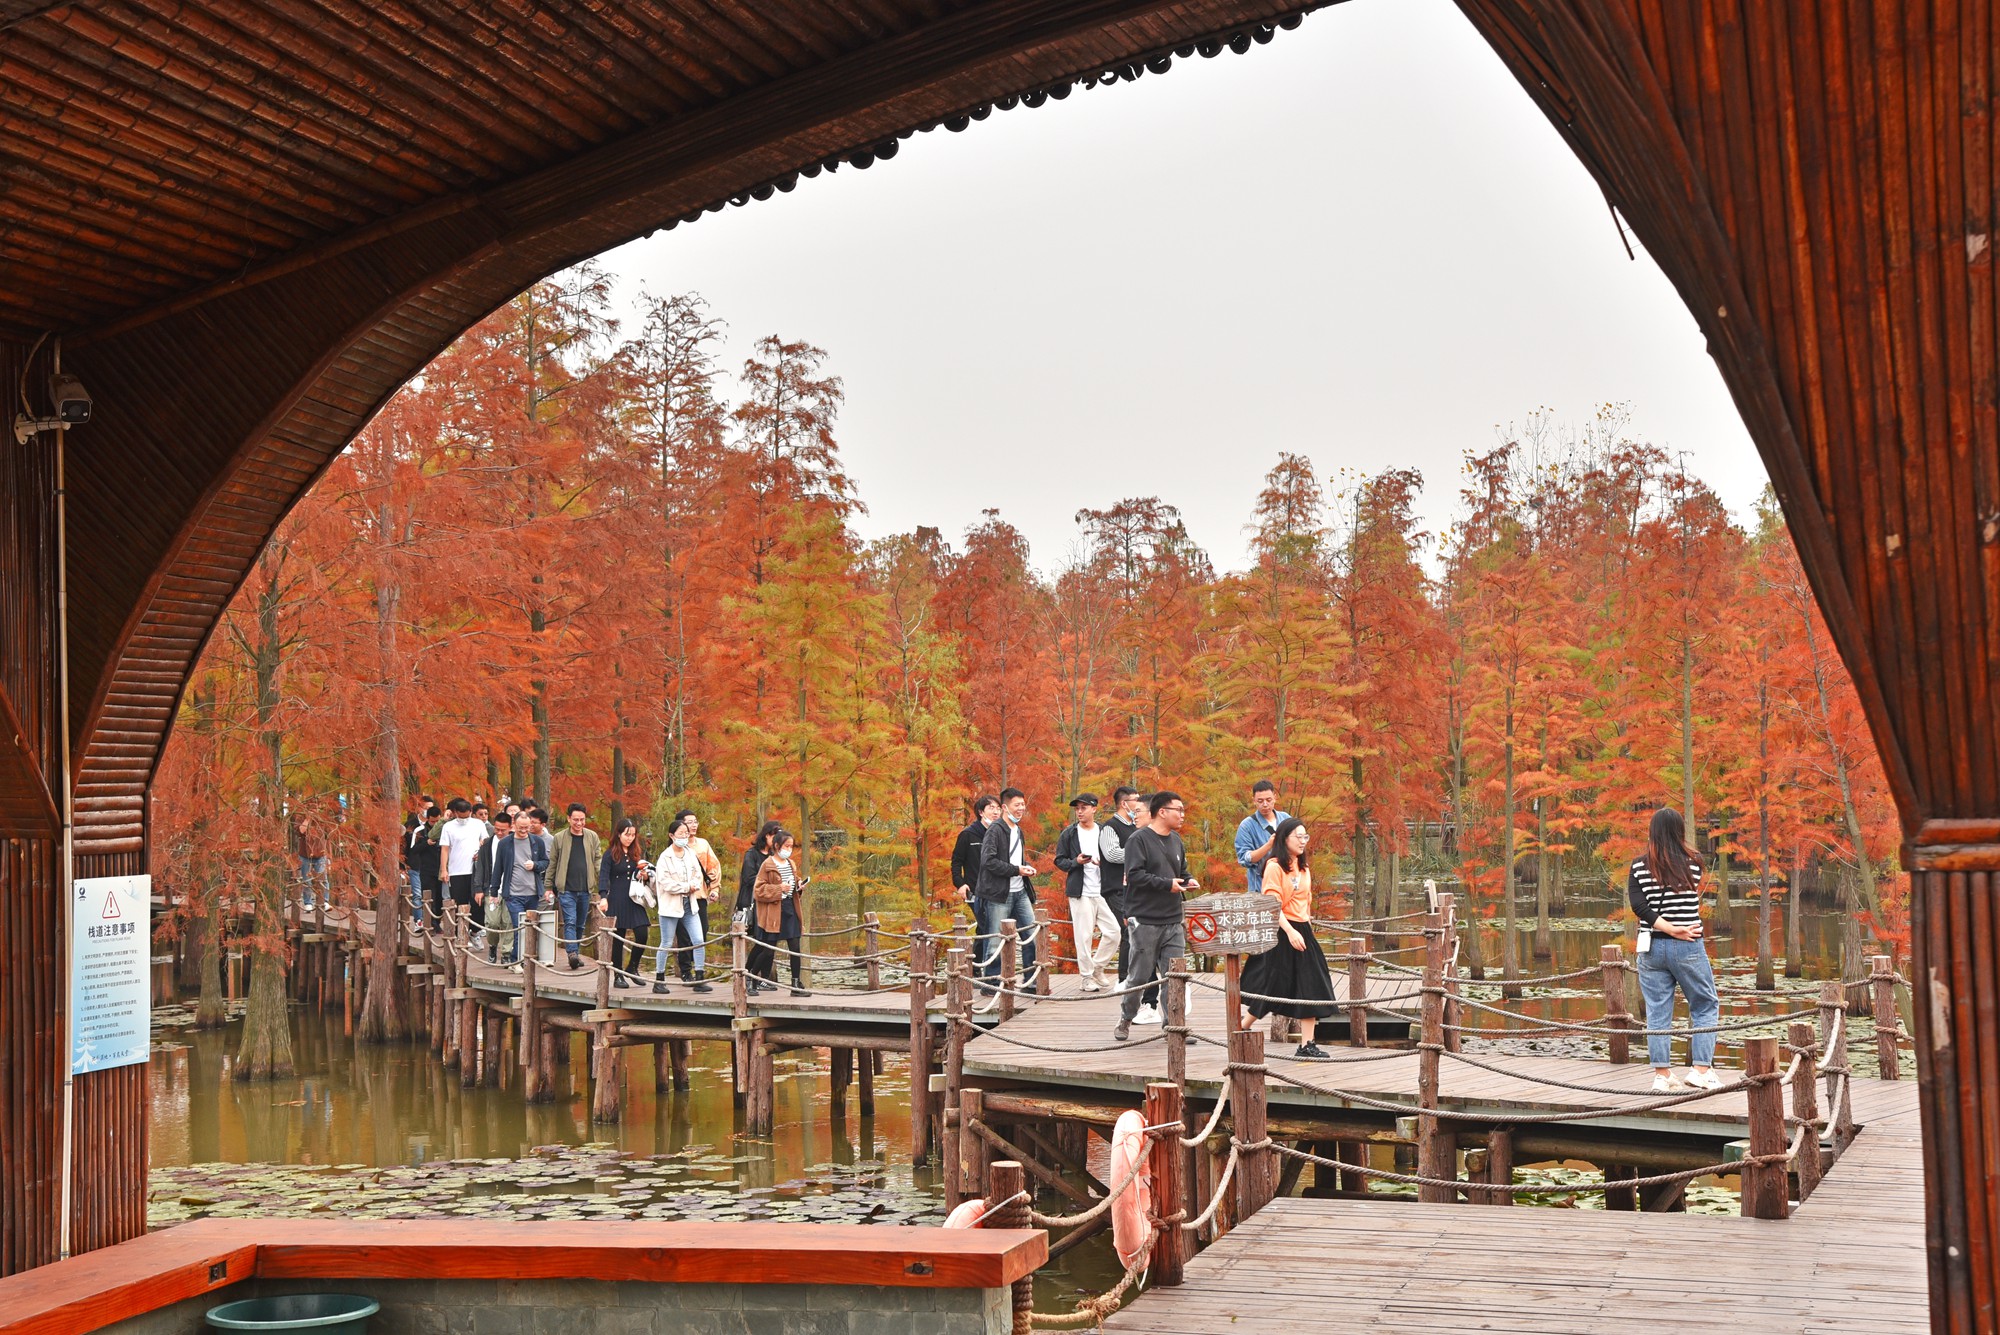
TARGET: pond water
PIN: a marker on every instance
(384, 1131)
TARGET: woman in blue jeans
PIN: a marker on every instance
(1665, 894)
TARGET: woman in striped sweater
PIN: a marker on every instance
(1665, 893)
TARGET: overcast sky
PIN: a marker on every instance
(1361, 243)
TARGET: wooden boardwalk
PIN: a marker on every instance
(1851, 1259)
(1091, 1061)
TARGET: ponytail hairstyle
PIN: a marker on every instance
(1668, 856)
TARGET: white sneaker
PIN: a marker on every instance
(1668, 1084)
(1147, 1015)
(1704, 1079)
(1090, 985)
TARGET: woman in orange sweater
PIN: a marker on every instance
(1295, 968)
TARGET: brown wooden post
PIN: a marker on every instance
(1833, 1064)
(1232, 994)
(871, 1061)
(839, 1075)
(1500, 1164)
(1170, 1194)
(975, 1152)
(1618, 1195)
(1448, 908)
(871, 945)
(468, 1023)
(493, 1048)
(1356, 1153)
(1247, 1111)
(1883, 980)
(530, 1024)
(1010, 966)
(1357, 990)
(1764, 1194)
(958, 1014)
(764, 1085)
(1009, 1182)
(739, 1009)
(921, 1105)
(1437, 1151)
(1805, 1107)
(1045, 946)
(606, 1068)
(1611, 961)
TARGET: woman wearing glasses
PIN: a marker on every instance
(1294, 970)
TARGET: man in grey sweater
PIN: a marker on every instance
(1156, 876)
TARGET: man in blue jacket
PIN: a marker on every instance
(1255, 836)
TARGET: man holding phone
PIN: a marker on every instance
(1089, 915)
(1156, 876)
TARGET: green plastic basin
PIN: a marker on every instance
(326, 1313)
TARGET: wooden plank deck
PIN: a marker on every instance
(1850, 1260)
(1089, 1059)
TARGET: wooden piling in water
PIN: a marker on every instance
(606, 1070)
(973, 1151)
(958, 1013)
(739, 1007)
(921, 1107)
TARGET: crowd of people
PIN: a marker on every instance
(1125, 879)
(497, 865)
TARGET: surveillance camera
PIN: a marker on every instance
(71, 399)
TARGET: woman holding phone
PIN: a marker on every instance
(776, 893)
(1665, 894)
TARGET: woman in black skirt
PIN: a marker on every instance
(1295, 968)
(623, 870)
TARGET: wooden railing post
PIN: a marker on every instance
(1045, 953)
(739, 1008)
(1232, 993)
(1805, 1107)
(958, 1014)
(975, 1152)
(530, 1023)
(1617, 1018)
(1882, 979)
(1357, 990)
(1764, 1186)
(1247, 1112)
(606, 1103)
(1174, 997)
(1833, 1063)
(921, 964)
(1010, 966)
(1453, 1015)
(1009, 1182)
(1164, 1110)
(871, 945)
(1437, 1152)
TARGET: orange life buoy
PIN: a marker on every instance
(1130, 1207)
(966, 1215)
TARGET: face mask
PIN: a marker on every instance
(680, 841)
(785, 856)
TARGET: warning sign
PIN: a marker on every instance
(110, 997)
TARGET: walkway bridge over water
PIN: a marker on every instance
(1279, 1167)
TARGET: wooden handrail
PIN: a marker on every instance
(100, 1288)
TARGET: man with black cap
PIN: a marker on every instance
(1089, 915)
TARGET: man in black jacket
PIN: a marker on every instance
(1006, 887)
(1080, 857)
(1156, 876)
(1128, 813)
(965, 853)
